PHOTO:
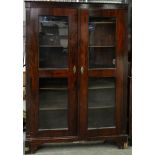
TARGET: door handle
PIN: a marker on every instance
(82, 70)
(74, 69)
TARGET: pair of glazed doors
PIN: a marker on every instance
(76, 69)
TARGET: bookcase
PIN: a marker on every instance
(76, 65)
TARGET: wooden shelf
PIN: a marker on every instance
(98, 128)
(53, 129)
(53, 100)
(53, 69)
(101, 84)
(52, 109)
(102, 22)
(101, 98)
(61, 36)
(103, 104)
(54, 88)
(101, 107)
(50, 23)
(54, 46)
(108, 46)
(101, 87)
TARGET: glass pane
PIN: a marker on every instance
(101, 102)
(53, 98)
(102, 42)
(53, 42)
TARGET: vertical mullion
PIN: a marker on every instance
(83, 91)
(72, 103)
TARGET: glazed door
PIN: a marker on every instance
(53, 66)
(101, 72)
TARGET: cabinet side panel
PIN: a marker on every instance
(32, 71)
(28, 110)
(121, 71)
(125, 59)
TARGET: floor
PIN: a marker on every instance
(97, 148)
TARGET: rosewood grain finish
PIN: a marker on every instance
(77, 73)
(102, 73)
(83, 54)
(54, 73)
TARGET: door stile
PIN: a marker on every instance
(72, 78)
(33, 68)
(36, 72)
(116, 72)
(83, 73)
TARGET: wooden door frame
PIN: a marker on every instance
(118, 72)
(34, 73)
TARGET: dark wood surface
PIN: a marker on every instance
(130, 104)
(130, 71)
(83, 55)
(34, 73)
(77, 83)
(84, 5)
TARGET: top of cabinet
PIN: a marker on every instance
(107, 4)
(82, 1)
